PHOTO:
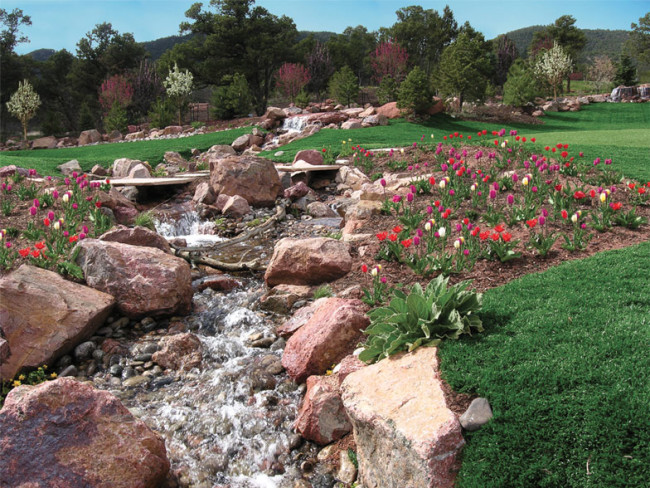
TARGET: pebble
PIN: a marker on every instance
(64, 362)
(116, 370)
(347, 471)
(105, 331)
(121, 323)
(264, 342)
(135, 381)
(98, 354)
(477, 414)
(128, 372)
(157, 370)
(143, 357)
(84, 350)
(150, 348)
(115, 381)
(164, 380)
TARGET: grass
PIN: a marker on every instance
(564, 363)
(46, 161)
(606, 130)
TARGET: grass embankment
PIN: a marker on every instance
(46, 161)
(564, 363)
(618, 131)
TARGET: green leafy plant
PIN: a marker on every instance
(145, 219)
(630, 219)
(352, 456)
(7, 208)
(423, 317)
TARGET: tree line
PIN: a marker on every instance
(243, 55)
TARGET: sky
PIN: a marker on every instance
(60, 24)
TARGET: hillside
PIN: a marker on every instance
(599, 41)
(41, 54)
(157, 47)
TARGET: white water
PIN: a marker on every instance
(294, 124)
(190, 227)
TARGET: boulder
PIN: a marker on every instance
(115, 135)
(353, 113)
(134, 136)
(308, 261)
(5, 350)
(236, 207)
(322, 418)
(551, 107)
(297, 191)
(145, 281)
(329, 335)
(137, 236)
(43, 316)
(326, 118)
(282, 297)
(250, 177)
(350, 178)
(89, 137)
(274, 113)
(367, 112)
(48, 142)
(241, 143)
(310, 156)
(179, 352)
(70, 167)
(374, 120)
(302, 315)
(99, 170)
(174, 158)
(216, 152)
(171, 130)
(139, 171)
(436, 107)
(121, 206)
(351, 124)
(321, 210)
(406, 435)
(204, 193)
(123, 166)
(390, 110)
(64, 433)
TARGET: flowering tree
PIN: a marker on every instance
(115, 90)
(291, 78)
(178, 85)
(389, 59)
(320, 66)
(23, 104)
(553, 65)
(602, 71)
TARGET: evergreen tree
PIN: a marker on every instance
(521, 86)
(344, 86)
(414, 93)
(625, 72)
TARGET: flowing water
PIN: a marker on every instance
(230, 422)
(294, 124)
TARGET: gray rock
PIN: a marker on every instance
(68, 168)
(347, 471)
(128, 372)
(478, 414)
(69, 371)
(116, 370)
(84, 350)
(135, 381)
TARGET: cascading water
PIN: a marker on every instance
(231, 421)
(294, 124)
(190, 227)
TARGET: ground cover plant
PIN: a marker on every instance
(562, 362)
(45, 161)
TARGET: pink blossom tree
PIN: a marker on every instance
(291, 78)
(389, 59)
(115, 90)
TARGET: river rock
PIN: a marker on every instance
(250, 177)
(310, 156)
(347, 470)
(241, 143)
(477, 414)
(328, 336)
(89, 137)
(145, 281)
(204, 194)
(321, 210)
(374, 120)
(352, 124)
(43, 317)
(64, 433)
(308, 261)
(406, 436)
(326, 118)
(179, 352)
(137, 236)
(322, 418)
(217, 283)
(297, 191)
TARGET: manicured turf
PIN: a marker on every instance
(606, 130)
(46, 161)
(564, 363)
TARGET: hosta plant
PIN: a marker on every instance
(421, 317)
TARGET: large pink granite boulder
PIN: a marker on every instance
(330, 334)
(137, 236)
(250, 177)
(43, 316)
(406, 436)
(64, 433)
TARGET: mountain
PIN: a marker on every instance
(599, 42)
(41, 54)
(157, 47)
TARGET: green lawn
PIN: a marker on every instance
(564, 363)
(46, 161)
(606, 130)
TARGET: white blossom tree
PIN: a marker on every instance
(602, 71)
(178, 85)
(23, 104)
(554, 65)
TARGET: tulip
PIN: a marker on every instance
(442, 231)
(603, 197)
(511, 199)
(574, 218)
(382, 182)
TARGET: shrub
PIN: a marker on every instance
(86, 118)
(415, 92)
(116, 119)
(162, 113)
(387, 91)
(145, 219)
(291, 78)
(344, 86)
(422, 318)
(323, 291)
(302, 99)
(521, 86)
(233, 98)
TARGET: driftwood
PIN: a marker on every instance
(190, 253)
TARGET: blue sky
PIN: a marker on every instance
(59, 24)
